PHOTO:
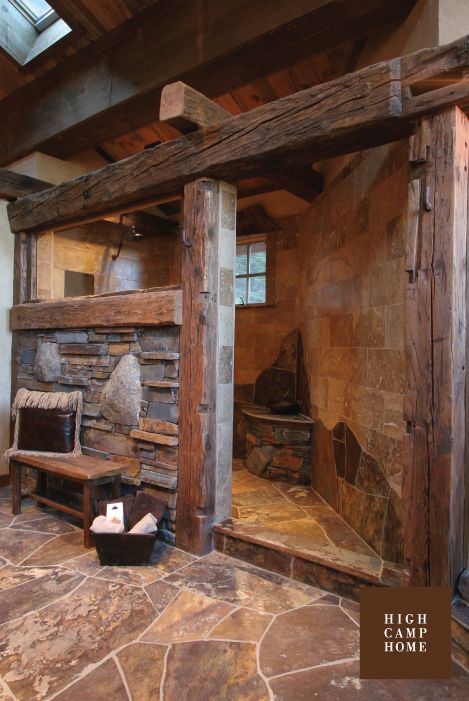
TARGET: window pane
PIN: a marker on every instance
(36, 8)
(241, 260)
(257, 290)
(240, 290)
(257, 258)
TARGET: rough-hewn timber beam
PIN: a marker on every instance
(214, 46)
(14, 185)
(187, 110)
(373, 106)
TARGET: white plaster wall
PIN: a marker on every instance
(453, 19)
(6, 301)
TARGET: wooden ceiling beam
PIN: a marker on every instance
(214, 46)
(187, 110)
(373, 106)
(14, 185)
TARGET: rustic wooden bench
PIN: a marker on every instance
(82, 469)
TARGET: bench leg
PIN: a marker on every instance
(87, 494)
(15, 469)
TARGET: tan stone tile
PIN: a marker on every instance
(364, 512)
(299, 495)
(243, 625)
(16, 545)
(265, 495)
(270, 513)
(5, 520)
(101, 684)
(289, 645)
(60, 549)
(239, 583)
(45, 524)
(143, 668)
(341, 330)
(215, 671)
(167, 558)
(386, 368)
(342, 683)
(190, 616)
(394, 424)
(69, 635)
(395, 326)
(301, 534)
(44, 587)
(388, 453)
(388, 284)
(137, 576)
(368, 328)
(161, 594)
(86, 564)
(364, 405)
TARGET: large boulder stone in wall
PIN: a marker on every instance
(47, 362)
(122, 394)
(259, 459)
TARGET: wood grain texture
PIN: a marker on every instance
(14, 185)
(213, 46)
(358, 111)
(153, 308)
(187, 110)
(197, 374)
(434, 405)
(341, 116)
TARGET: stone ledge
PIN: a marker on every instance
(158, 438)
(161, 384)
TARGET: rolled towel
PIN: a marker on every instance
(102, 525)
(146, 525)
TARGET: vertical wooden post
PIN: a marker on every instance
(434, 404)
(206, 366)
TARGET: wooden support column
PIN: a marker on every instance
(434, 405)
(206, 366)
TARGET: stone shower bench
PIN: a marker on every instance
(86, 471)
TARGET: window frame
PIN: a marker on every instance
(268, 274)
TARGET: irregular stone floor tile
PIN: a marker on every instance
(143, 667)
(342, 683)
(86, 564)
(224, 578)
(189, 617)
(102, 684)
(352, 608)
(299, 495)
(5, 520)
(306, 637)
(243, 481)
(11, 575)
(5, 695)
(45, 524)
(244, 625)
(136, 575)
(161, 594)
(266, 495)
(60, 549)
(44, 588)
(303, 532)
(268, 514)
(5, 506)
(15, 545)
(213, 671)
(69, 635)
(168, 559)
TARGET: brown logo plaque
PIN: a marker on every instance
(405, 633)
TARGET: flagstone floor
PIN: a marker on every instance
(180, 629)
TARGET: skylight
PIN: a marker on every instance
(38, 12)
(29, 28)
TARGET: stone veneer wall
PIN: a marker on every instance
(352, 288)
(149, 446)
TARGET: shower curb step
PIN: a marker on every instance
(309, 568)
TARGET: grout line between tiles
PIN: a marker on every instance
(316, 666)
(122, 676)
(163, 674)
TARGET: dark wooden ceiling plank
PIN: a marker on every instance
(245, 41)
(361, 110)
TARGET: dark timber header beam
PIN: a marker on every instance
(375, 105)
(214, 46)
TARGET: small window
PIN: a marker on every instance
(29, 28)
(251, 273)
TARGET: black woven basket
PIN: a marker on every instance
(124, 548)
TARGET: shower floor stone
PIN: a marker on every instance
(295, 521)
